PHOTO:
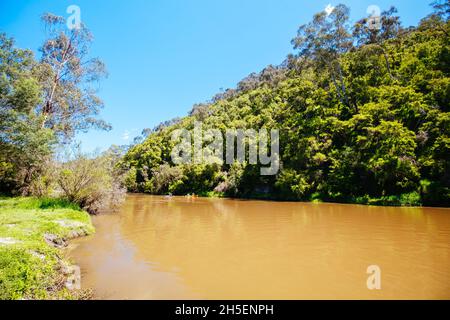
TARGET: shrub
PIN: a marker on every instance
(43, 184)
(411, 199)
(231, 185)
(130, 180)
(163, 177)
(291, 185)
(92, 183)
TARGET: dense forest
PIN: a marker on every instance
(363, 115)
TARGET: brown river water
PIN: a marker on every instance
(183, 248)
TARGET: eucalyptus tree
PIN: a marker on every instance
(68, 77)
(324, 40)
(439, 19)
(45, 102)
(441, 9)
(19, 91)
(389, 27)
(374, 38)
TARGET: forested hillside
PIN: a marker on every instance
(363, 115)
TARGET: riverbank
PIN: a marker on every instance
(412, 199)
(32, 233)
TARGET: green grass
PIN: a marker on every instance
(412, 199)
(29, 266)
(39, 203)
(211, 194)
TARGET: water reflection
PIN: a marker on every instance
(182, 248)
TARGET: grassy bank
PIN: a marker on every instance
(32, 233)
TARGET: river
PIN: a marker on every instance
(199, 248)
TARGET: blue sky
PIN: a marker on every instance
(165, 55)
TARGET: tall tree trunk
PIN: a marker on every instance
(48, 108)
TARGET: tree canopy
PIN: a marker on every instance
(44, 103)
(363, 116)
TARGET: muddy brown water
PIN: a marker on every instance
(182, 248)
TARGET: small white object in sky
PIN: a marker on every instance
(329, 9)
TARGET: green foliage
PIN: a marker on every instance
(166, 178)
(292, 185)
(68, 76)
(24, 144)
(25, 148)
(91, 183)
(29, 266)
(21, 272)
(44, 102)
(130, 178)
(363, 116)
(43, 203)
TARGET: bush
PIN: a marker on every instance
(405, 199)
(92, 183)
(291, 185)
(411, 199)
(163, 177)
(43, 184)
(130, 180)
(233, 180)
